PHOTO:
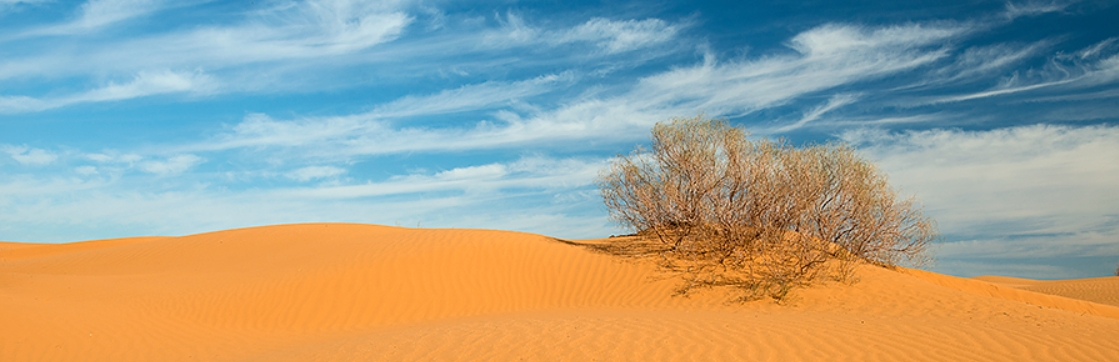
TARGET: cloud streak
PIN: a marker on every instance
(836, 101)
(525, 173)
(619, 36)
(287, 30)
(98, 13)
(1092, 66)
(1039, 191)
(120, 206)
(144, 84)
(1033, 8)
(826, 57)
(29, 156)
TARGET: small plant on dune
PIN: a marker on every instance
(721, 209)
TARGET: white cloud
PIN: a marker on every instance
(86, 170)
(620, 36)
(828, 56)
(373, 129)
(612, 36)
(511, 196)
(1036, 190)
(143, 84)
(274, 49)
(836, 39)
(1096, 50)
(172, 165)
(513, 32)
(20, 104)
(39, 190)
(6, 5)
(977, 62)
(148, 83)
(282, 30)
(96, 13)
(836, 101)
(971, 268)
(307, 29)
(1032, 8)
(532, 172)
(114, 157)
(1092, 66)
(1085, 243)
(259, 130)
(29, 156)
(315, 172)
(1003, 90)
(470, 97)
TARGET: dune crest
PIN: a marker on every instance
(364, 292)
(1103, 290)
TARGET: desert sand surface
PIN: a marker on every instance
(345, 292)
(1099, 290)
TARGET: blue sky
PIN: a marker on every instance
(149, 117)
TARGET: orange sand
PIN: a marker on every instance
(340, 292)
(1098, 290)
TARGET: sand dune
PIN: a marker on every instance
(335, 292)
(4, 245)
(1098, 290)
(1007, 281)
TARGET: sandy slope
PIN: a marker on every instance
(1098, 290)
(356, 292)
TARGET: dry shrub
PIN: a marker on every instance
(721, 209)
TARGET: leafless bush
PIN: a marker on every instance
(760, 215)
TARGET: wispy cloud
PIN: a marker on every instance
(315, 172)
(1021, 269)
(312, 29)
(171, 166)
(826, 57)
(534, 172)
(977, 62)
(834, 102)
(8, 5)
(272, 48)
(29, 156)
(285, 30)
(470, 97)
(142, 84)
(93, 15)
(611, 36)
(1042, 256)
(1084, 243)
(1003, 90)
(373, 129)
(1033, 7)
(477, 196)
(1054, 185)
(1092, 66)
(619, 36)
(97, 13)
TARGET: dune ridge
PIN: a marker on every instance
(361, 292)
(1104, 290)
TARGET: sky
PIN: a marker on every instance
(155, 117)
